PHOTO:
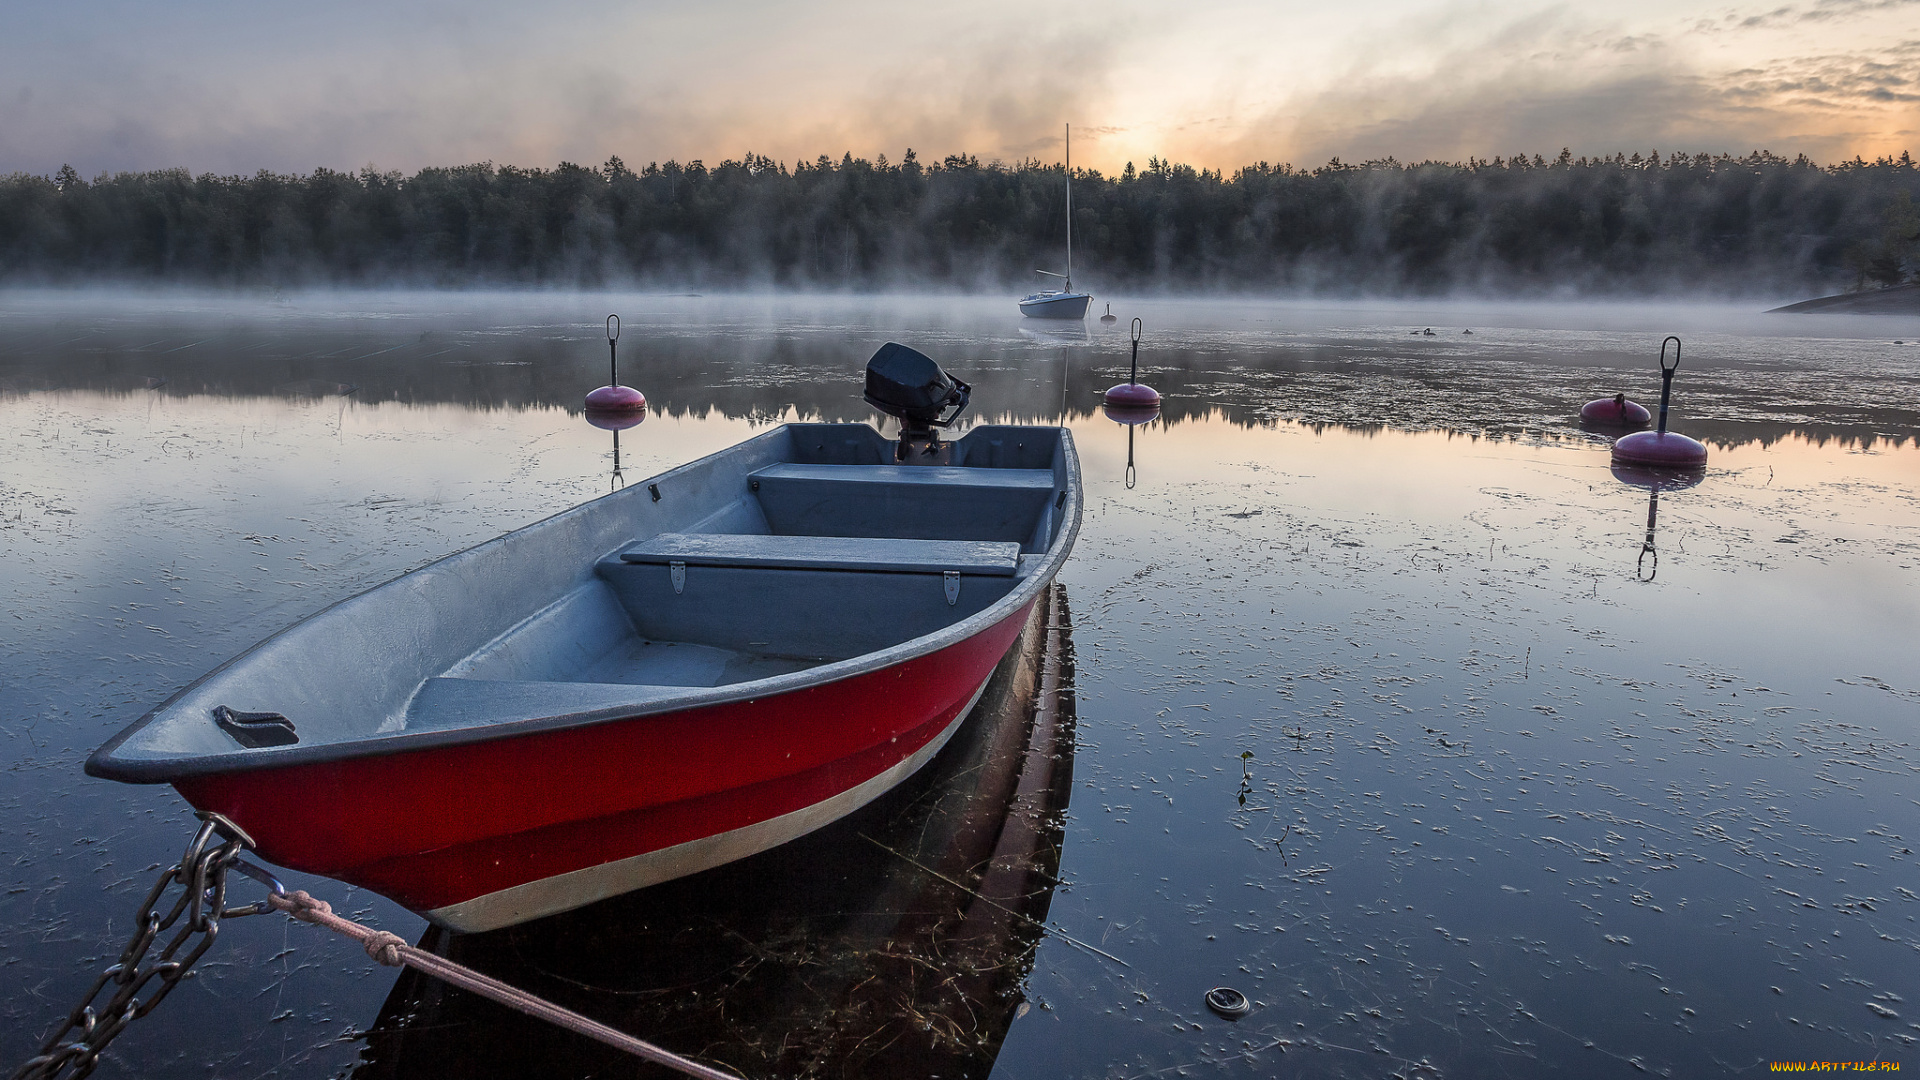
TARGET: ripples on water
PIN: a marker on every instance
(1378, 720)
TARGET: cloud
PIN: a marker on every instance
(1537, 84)
(992, 98)
(647, 83)
(1836, 82)
(215, 85)
(1821, 11)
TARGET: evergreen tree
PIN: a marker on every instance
(1619, 224)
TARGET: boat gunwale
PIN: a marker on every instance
(104, 763)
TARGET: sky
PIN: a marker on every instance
(235, 86)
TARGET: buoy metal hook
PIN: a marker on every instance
(613, 346)
(1666, 378)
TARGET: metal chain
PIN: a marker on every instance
(201, 875)
(74, 1051)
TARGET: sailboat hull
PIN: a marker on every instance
(1062, 305)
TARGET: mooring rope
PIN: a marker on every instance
(393, 951)
(193, 919)
(1053, 686)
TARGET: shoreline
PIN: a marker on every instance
(1897, 300)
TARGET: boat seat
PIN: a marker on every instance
(910, 476)
(923, 502)
(872, 554)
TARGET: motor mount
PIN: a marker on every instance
(907, 384)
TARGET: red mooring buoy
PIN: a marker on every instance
(1133, 394)
(614, 399)
(1662, 448)
(1615, 411)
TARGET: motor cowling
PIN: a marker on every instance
(908, 384)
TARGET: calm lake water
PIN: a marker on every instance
(1386, 714)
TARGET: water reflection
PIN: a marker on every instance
(1131, 418)
(1498, 820)
(615, 422)
(895, 943)
(1515, 378)
(1066, 334)
(1655, 480)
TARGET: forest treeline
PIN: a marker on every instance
(1622, 224)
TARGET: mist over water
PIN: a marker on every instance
(1387, 714)
(1486, 368)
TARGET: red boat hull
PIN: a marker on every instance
(482, 835)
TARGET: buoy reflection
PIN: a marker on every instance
(1655, 480)
(1132, 417)
(616, 423)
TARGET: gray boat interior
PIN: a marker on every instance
(802, 555)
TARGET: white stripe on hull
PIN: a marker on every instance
(1063, 306)
(578, 888)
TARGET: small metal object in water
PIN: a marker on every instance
(1228, 1002)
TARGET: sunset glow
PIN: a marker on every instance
(216, 86)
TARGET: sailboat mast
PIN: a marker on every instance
(1069, 151)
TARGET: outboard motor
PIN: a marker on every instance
(909, 385)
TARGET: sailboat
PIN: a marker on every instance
(1062, 303)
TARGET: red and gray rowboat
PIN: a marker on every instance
(691, 670)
